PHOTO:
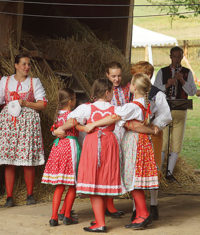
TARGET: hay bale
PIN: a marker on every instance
(188, 181)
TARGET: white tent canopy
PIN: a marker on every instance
(146, 38)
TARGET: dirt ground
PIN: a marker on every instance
(179, 215)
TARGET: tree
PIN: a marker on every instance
(176, 7)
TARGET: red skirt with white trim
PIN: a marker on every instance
(60, 167)
(99, 177)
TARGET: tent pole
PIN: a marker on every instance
(150, 56)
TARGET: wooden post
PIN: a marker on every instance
(185, 48)
(129, 32)
(20, 10)
(146, 55)
(10, 25)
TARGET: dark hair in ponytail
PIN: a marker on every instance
(64, 96)
(19, 57)
(99, 88)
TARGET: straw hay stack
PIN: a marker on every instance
(84, 57)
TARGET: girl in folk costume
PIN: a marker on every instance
(160, 117)
(20, 131)
(99, 169)
(62, 164)
(140, 171)
(139, 168)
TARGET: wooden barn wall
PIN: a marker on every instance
(105, 29)
(10, 24)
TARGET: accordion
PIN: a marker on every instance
(180, 104)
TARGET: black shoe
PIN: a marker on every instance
(133, 215)
(154, 212)
(60, 217)
(73, 215)
(92, 223)
(9, 202)
(53, 222)
(116, 214)
(141, 225)
(101, 229)
(30, 200)
(170, 178)
(68, 221)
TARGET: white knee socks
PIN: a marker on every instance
(172, 161)
(162, 159)
(154, 197)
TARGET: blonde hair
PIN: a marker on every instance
(143, 85)
(142, 67)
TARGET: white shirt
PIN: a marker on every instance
(39, 92)
(160, 110)
(127, 112)
(189, 86)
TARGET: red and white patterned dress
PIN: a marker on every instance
(61, 165)
(140, 171)
(99, 167)
(21, 138)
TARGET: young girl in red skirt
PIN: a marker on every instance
(62, 163)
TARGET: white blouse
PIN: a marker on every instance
(39, 92)
(127, 112)
(160, 110)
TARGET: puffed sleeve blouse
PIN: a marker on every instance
(21, 87)
(127, 112)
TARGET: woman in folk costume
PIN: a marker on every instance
(20, 131)
(62, 163)
(139, 168)
(121, 96)
(161, 117)
(99, 168)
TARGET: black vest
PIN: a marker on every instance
(153, 92)
(166, 74)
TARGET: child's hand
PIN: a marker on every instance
(59, 132)
(89, 127)
(156, 130)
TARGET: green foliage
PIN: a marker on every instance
(173, 9)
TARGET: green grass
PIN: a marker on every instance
(191, 143)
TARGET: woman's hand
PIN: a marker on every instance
(59, 132)
(21, 102)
